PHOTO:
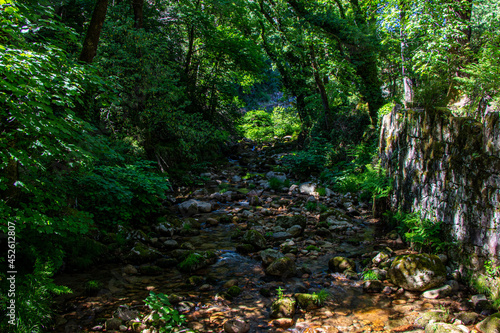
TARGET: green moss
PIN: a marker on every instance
(234, 291)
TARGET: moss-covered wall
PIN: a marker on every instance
(448, 168)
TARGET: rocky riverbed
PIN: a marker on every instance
(255, 251)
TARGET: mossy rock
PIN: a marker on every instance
(306, 301)
(490, 324)
(341, 264)
(337, 214)
(436, 316)
(245, 248)
(141, 254)
(150, 270)
(255, 238)
(234, 291)
(283, 267)
(193, 262)
(445, 328)
(195, 280)
(417, 272)
(289, 221)
(283, 308)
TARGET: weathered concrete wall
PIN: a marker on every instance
(449, 169)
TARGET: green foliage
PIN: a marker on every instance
(92, 287)
(285, 122)
(309, 161)
(34, 295)
(312, 248)
(320, 297)
(279, 293)
(276, 184)
(257, 125)
(166, 318)
(122, 194)
(311, 206)
(422, 234)
(370, 275)
(321, 191)
(491, 269)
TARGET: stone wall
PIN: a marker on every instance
(448, 168)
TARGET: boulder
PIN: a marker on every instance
(254, 238)
(306, 301)
(141, 254)
(341, 264)
(283, 308)
(445, 328)
(373, 286)
(287, 222)
(295, 230)
(270, 255)
(417, 272)
(440, 292)
(432, 316)
(490, 324)
(191, 207)
(308, 188)
(278, 175)
(282, 267)
(236, 325)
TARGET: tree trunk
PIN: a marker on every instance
(407, 82)
(321, 87)
(93, 33)
(138, 7)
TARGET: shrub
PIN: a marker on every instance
(285, 122)
(309, 161)
(257, 125)
(370, 275)
(422, 234)
(122, 194)
(166, 318)
(275, 184)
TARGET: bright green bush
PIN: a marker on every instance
(257, 125)
(285, 122)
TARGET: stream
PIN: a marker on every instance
(200, 295)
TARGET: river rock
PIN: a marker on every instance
(283, 267)
(281, 235)
(306, 301)
(270, 255)
(236, 325)
(373, 286)
(141, 254)
(191, 207)
(440, 292)
(254, 238)
(336, 225)
(289, 221)
(171, 244)
(417, 272)
(295, 230)
(490, 324)
(113, 324)
(283, 308)
(467, 318)
(341, 264)
(432, 316)
(445, 328)
(308, 188)
(278, 175)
